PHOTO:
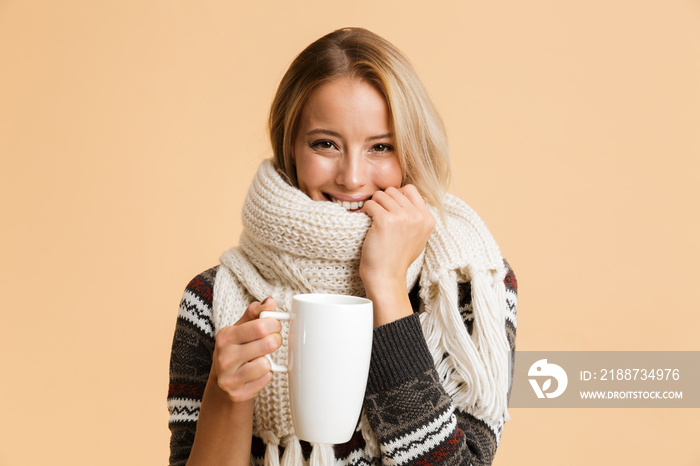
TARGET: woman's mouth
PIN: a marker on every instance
(347, 205)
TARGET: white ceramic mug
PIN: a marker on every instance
(330, 344)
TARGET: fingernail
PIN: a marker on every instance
(265, 300)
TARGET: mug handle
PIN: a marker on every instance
(280, 316)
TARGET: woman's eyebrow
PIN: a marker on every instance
(324, 131)
(329, 132)
(381, 136)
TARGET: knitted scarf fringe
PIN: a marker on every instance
(291, 244)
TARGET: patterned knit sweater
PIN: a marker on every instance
(406, 406)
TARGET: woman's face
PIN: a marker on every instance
(344, 148)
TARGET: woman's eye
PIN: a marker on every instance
(323, 144)
(382, 148)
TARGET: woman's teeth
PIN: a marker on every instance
(350, 205)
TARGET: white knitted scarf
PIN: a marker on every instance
(291, 244)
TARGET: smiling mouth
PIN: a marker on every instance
(347, 205)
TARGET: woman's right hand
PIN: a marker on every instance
(239, 363)
(239, 371)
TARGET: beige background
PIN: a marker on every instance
(129, 131)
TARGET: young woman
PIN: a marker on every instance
(353, 202)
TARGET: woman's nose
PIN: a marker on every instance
(352, 172)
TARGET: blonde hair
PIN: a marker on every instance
(419, 133)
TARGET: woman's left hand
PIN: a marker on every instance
(401, 226)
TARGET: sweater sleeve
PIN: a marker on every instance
(190, 363)
(412, 415)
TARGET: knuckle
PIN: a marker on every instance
(237, 396)
(276, 326)
(378, 195)
(406, 219)
(271, 342)
(223, 360)
(258, 328)
(227, 382)
(260, 365)
(384, 221)
(226, 332)
(221, 341)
